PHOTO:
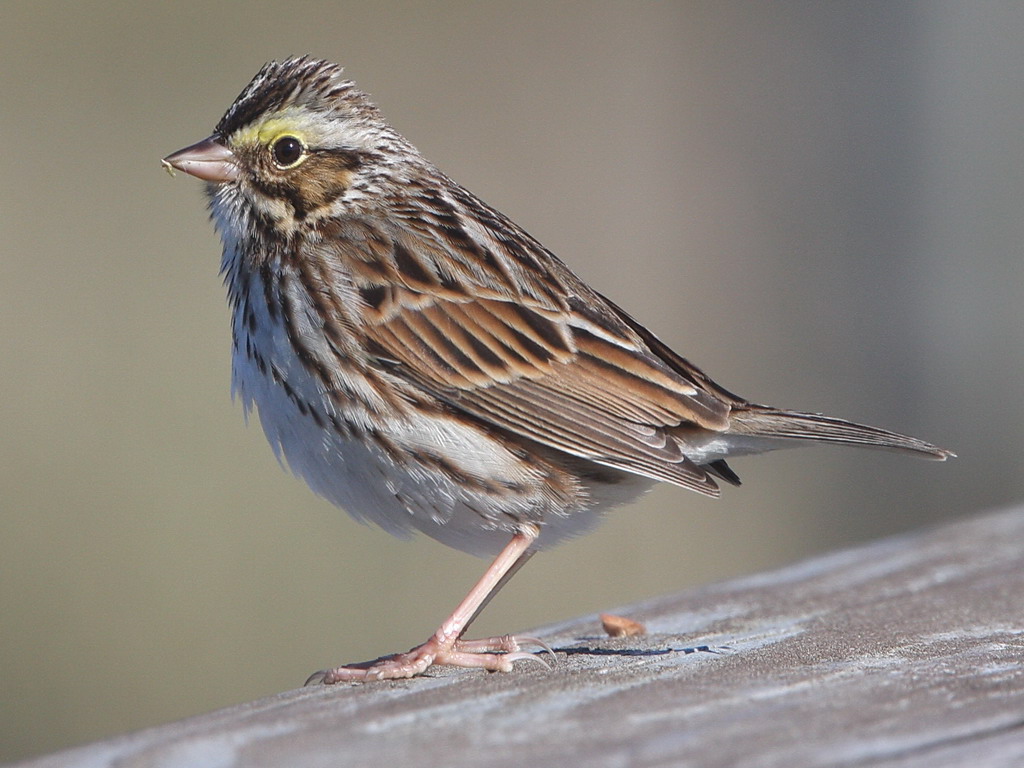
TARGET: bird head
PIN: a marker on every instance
(300, 143)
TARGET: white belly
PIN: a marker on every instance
(401, 496)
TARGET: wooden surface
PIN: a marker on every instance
(905, 652)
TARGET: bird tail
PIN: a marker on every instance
(761, 421)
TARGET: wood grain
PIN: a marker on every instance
(905, 652)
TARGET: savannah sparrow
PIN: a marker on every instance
(423, 362)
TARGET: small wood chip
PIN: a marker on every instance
(620, 626)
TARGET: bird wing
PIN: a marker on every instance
(500, 329)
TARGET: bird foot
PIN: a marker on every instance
(495, 654)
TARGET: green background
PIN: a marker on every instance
(819, 203)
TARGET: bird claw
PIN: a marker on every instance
(316, 678)
(495, 654)
(544, 647)
(527, 656)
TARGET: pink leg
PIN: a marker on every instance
(445, 647)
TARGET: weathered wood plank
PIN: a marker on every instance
(905, 652)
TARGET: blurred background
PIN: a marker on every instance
(819, 203)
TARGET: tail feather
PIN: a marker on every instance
(760, 421)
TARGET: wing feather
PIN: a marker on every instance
(541, 356)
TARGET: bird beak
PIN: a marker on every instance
(208, 160)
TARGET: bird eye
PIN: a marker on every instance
(288, 151)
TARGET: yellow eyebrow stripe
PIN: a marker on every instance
(289, 122)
